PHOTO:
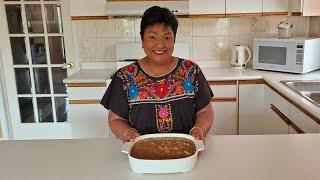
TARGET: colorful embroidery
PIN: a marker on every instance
(141, 88)
(164, 118)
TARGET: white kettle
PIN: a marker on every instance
(238, 58)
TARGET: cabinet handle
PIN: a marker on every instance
(286, 119)
(67, 66)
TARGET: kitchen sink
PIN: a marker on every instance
(309, 89)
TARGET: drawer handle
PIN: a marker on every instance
(286, 119)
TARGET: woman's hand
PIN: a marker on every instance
(130, 134)
(197, 133)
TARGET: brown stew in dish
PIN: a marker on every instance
(163, 148)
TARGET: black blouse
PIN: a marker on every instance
(158, 104)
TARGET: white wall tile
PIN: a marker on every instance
(300, 25)
(125, 28)
(106, 48)
(221, 48)
(221, 27)
(185, 27)
(314, 27)
(106, 28)
(87, 48)
(258, 25)
(201, 27)
(137, 23)
(187, 40)
(240, 26)
(273, 22)
(86, 28)
(201, 49)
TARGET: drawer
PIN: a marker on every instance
(86, 93)
(223, 89)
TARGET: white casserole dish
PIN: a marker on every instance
(163, 166)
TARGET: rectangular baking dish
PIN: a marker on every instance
(163, 166)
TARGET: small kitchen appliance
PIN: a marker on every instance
(294, 55)
(239, 59)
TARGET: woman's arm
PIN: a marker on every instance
(121, 128)
(204, 121)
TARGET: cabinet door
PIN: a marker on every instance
(244, 6)
(292, 130)
(224, 122)
(275, 105)
(207, 7)
(305, 123)
(225, 107)
(296, 5)
(251, 108)
(275, 6)
(88, 121)
(311, 8)
(83, 8)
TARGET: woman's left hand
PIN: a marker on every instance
(197, 133)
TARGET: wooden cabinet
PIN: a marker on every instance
(85, 8)
(305, 123)
(276, 108)
(251, 107)
(87, 117)
(225, 107)
(311, 7)
(207, 7)
(282, 114)
(275, 6)
(244, 6)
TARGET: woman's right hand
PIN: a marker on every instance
(130, 134)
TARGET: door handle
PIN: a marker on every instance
(67, 66)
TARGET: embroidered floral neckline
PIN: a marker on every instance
(162, 76)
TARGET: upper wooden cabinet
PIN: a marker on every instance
(207, 7)
(243, 6)
(84, 8)
(284, 6)
(311, 7)
(275, 6)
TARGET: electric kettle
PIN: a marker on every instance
(238, 58)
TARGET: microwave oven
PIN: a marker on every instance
(294, 55)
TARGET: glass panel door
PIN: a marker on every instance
(37, 45)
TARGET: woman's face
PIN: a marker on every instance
(158, 43)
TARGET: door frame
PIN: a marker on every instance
(7, 75)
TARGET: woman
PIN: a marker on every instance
(159, 93)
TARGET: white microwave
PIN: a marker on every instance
(294, 55)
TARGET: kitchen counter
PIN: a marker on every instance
(241, 157)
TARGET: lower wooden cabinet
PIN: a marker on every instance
(275, 105)
(88, 121)
(251, 107)
(88, 118)
(224, 105)
(225, 121)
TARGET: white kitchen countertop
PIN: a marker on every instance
(238, 157)
(90, 76)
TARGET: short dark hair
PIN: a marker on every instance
(158, 15)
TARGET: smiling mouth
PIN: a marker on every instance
(159, 51)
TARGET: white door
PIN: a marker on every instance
(36, 43)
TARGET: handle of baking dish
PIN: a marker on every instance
(199, 145)
(126, 147)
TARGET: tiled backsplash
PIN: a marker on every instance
(314, 26)
(209, 39)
